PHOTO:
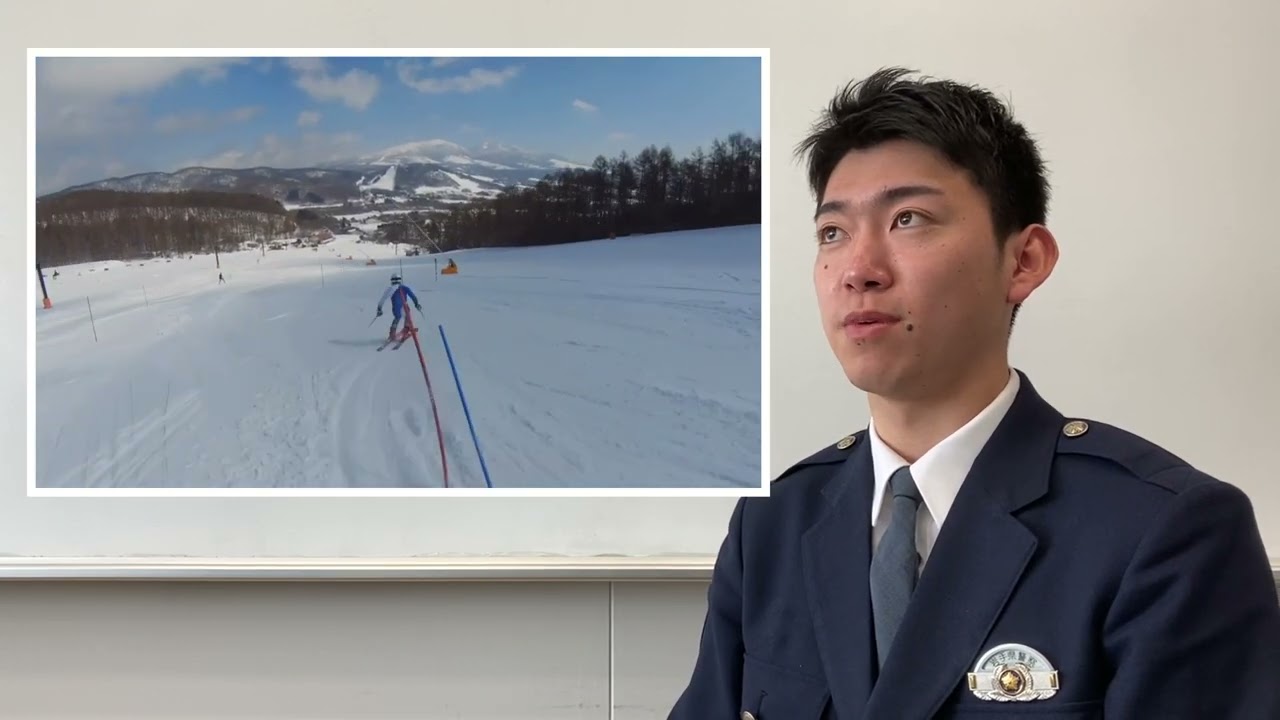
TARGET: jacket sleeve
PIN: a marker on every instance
(385, 295)
(714, 690)
(411, 294)
(1194, 631)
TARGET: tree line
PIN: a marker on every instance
(96, 225)
(650, 193)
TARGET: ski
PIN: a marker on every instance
(398, 342)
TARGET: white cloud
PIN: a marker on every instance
(203, 121)
(476, 79)
(306, 64)
(355, 88)
(81, 98)
(243, 114)
(308, 118)
(111, 77)
(308, 149)
(74, 121)
(53, 174)
(64, 173)
(179, 122)
(585, 106)
(224, 159)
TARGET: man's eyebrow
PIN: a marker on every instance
(880, 199)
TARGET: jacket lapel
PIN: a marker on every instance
(978, 558)
(836, 556)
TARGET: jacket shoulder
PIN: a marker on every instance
(832, 454)
(1135, 455)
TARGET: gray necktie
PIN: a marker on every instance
(896, 561)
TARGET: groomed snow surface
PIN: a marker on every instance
(632, 362)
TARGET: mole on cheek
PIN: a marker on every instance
(910, 327)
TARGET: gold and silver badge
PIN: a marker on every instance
(1013, 673)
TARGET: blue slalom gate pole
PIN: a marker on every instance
(465, 410)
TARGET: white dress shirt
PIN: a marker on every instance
(939, 473)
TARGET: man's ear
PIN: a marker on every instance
(1031, 256)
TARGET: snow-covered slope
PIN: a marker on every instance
(618, 363)
(421, 151)
(493, 156)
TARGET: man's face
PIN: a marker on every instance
(911, 284)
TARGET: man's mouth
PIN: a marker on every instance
(869, 318)
(863, 325)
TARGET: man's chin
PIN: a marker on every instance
(868, 379)
(873, 376)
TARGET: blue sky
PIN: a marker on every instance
(104, 117)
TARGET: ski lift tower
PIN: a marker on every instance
(432, 244)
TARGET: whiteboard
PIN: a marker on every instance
(309, 533)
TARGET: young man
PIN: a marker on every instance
(396, 291)
(972, 552)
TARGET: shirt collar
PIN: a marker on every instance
(941, 471)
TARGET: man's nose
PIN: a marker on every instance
(867, 268)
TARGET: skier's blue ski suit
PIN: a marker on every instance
(397, 303)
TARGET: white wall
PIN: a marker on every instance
(1136, 179)
(310, 651)
(1163, 313)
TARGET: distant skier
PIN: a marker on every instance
(221, 280)
(396, 292)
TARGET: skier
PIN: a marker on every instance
(396, 292)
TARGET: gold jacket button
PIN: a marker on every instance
(1075, 428)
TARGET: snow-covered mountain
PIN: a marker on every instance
(489, 156)
(424, 172)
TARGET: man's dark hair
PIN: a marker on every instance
(966, 124)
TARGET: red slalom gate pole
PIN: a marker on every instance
(410, 328)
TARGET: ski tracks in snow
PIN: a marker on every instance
(137, 448)
(625, 371)
(385, 427)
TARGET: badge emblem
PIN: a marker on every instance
(1013, 673)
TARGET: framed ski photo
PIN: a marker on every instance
(394, 273)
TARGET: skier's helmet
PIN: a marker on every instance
(395, 279)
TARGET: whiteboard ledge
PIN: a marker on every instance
(540, 569)
(331, 569)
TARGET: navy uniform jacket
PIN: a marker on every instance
(1143, 581)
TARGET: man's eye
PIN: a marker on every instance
(829, 234)
(904, 217)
